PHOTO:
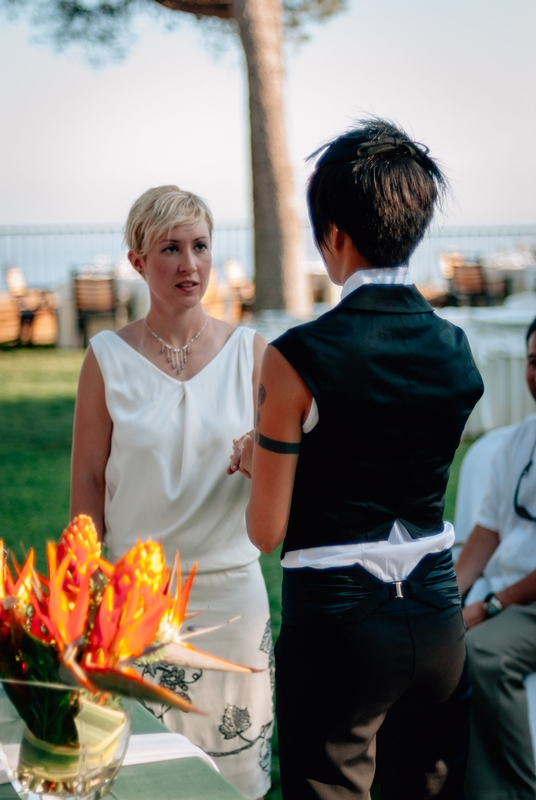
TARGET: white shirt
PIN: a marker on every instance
(390, 559)
(515, 557)
(384, 276)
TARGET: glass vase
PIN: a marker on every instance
(56, 741)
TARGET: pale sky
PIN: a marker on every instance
(79, 145)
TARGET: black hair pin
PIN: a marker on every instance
(390, 144)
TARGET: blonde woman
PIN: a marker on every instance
(158, 405)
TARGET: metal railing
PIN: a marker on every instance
(49, 253)
(474, 242)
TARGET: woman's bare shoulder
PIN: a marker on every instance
(221, 330)
(131, 333)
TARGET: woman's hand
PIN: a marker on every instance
(242, 456)
(474, 614)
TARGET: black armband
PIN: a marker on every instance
(284, 448)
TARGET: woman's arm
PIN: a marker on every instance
(283, 404)
(92, 435)
(245, 441)
(259, 347)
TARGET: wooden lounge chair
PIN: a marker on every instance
(36, 307)
(9, 319)
(96, 300)
(471, 287)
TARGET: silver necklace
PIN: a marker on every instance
(176, 356)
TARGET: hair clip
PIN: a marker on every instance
(389, 144)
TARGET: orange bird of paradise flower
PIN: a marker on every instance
(67, 614)
(131, 608)
(101, 618)
(174, 647)
(21, 587)
(126, 623)
(5, 598)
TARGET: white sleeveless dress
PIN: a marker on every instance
(166, 479)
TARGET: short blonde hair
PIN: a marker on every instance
(159, 210)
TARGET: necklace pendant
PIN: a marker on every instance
(177, 357)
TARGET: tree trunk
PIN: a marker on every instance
(280, 281)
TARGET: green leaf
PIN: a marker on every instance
(48, 713)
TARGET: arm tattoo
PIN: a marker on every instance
(262, 395)
(285, 448)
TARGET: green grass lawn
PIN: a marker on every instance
(37, 391)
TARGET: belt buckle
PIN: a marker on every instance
(398, 589)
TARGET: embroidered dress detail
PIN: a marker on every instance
(238, 727)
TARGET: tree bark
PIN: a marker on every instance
(280, 281)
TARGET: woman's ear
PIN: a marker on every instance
(137, 261)
(337, 238)
(331, 237)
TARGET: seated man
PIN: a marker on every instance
(500, 615)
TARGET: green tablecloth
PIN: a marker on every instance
(180, 779)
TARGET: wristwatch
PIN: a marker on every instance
(492, 605)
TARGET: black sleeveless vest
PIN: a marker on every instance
(394, 385)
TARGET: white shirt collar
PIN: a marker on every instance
(377, 275)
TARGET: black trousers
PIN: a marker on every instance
(387, 696)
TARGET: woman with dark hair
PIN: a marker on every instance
(359, 416)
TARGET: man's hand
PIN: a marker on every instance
(242, 456)
(474, 614)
